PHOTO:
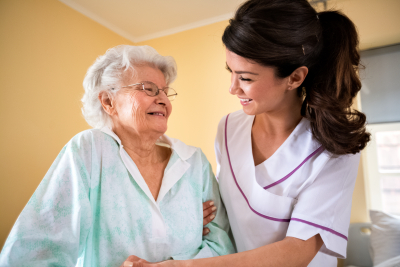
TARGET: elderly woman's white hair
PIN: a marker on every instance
(107, 71)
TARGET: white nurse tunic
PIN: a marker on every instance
(300, 191)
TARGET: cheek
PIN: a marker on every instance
(169, 109)
(138, 109)
(129, 107)
(265, 92)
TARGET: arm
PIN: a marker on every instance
(290, 252)
(217, 240)
(53, 226)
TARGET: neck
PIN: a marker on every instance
(279, 122)
(141, 148)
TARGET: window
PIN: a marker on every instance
(382, 168)
(380, 101)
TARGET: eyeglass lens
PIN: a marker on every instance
(152, 90)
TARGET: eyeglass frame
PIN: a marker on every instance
(158, 89)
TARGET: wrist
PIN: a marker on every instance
(175, 263)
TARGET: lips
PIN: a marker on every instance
(245, 100)
(157, 113)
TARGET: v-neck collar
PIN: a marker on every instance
(297, 147)
(299, 127)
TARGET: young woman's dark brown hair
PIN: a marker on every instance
(287, 34)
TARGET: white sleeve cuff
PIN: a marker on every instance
(335, 243)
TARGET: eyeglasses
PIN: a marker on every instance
(152, 90)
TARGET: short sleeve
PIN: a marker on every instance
(324, 206)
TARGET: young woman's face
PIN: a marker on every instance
(256, 86)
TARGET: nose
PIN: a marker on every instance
(233, 89)
(161, 98)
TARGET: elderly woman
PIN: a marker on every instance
(123, 187)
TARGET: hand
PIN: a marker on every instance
(208, 214)
(133, 261)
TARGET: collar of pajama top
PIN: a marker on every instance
(175, 169)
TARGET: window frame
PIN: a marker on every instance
(373, 193)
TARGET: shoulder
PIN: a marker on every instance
(183, 150)
(234, 117)
(234, 120)
(186, 152)
(88, 139)
(343, 163)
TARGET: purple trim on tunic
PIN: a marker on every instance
(234, 177)
(272, 218)
(321, 227)
(298, 167)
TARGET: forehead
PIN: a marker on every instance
(236, 60)
(144, 73)
(240, 64)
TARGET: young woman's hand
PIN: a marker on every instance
(133, 261)
(208, 214)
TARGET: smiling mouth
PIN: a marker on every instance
(156, 114)
(245, 100)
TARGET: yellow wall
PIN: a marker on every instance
(45, 50)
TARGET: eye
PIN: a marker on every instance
(227, 68)
(244, 79)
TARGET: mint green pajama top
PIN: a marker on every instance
(93, 208)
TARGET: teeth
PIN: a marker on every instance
(158, 114)
(245, 100)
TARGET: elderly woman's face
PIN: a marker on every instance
(138, 112)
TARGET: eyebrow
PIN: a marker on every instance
(240, 72)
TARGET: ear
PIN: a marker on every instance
(106, 100)
(297, 77)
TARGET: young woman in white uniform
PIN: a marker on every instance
(287, 162)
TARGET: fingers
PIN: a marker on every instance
(208, 212)
(133, 261)
(208, 204)
(206, 231)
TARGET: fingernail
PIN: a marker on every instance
(211, 203)
(128, 264)
(207, 230)
(212, 217)
(213, 208)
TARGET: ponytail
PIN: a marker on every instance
(287, 34)
(332, 86)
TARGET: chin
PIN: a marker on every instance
(249, 111)
(161, 129)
